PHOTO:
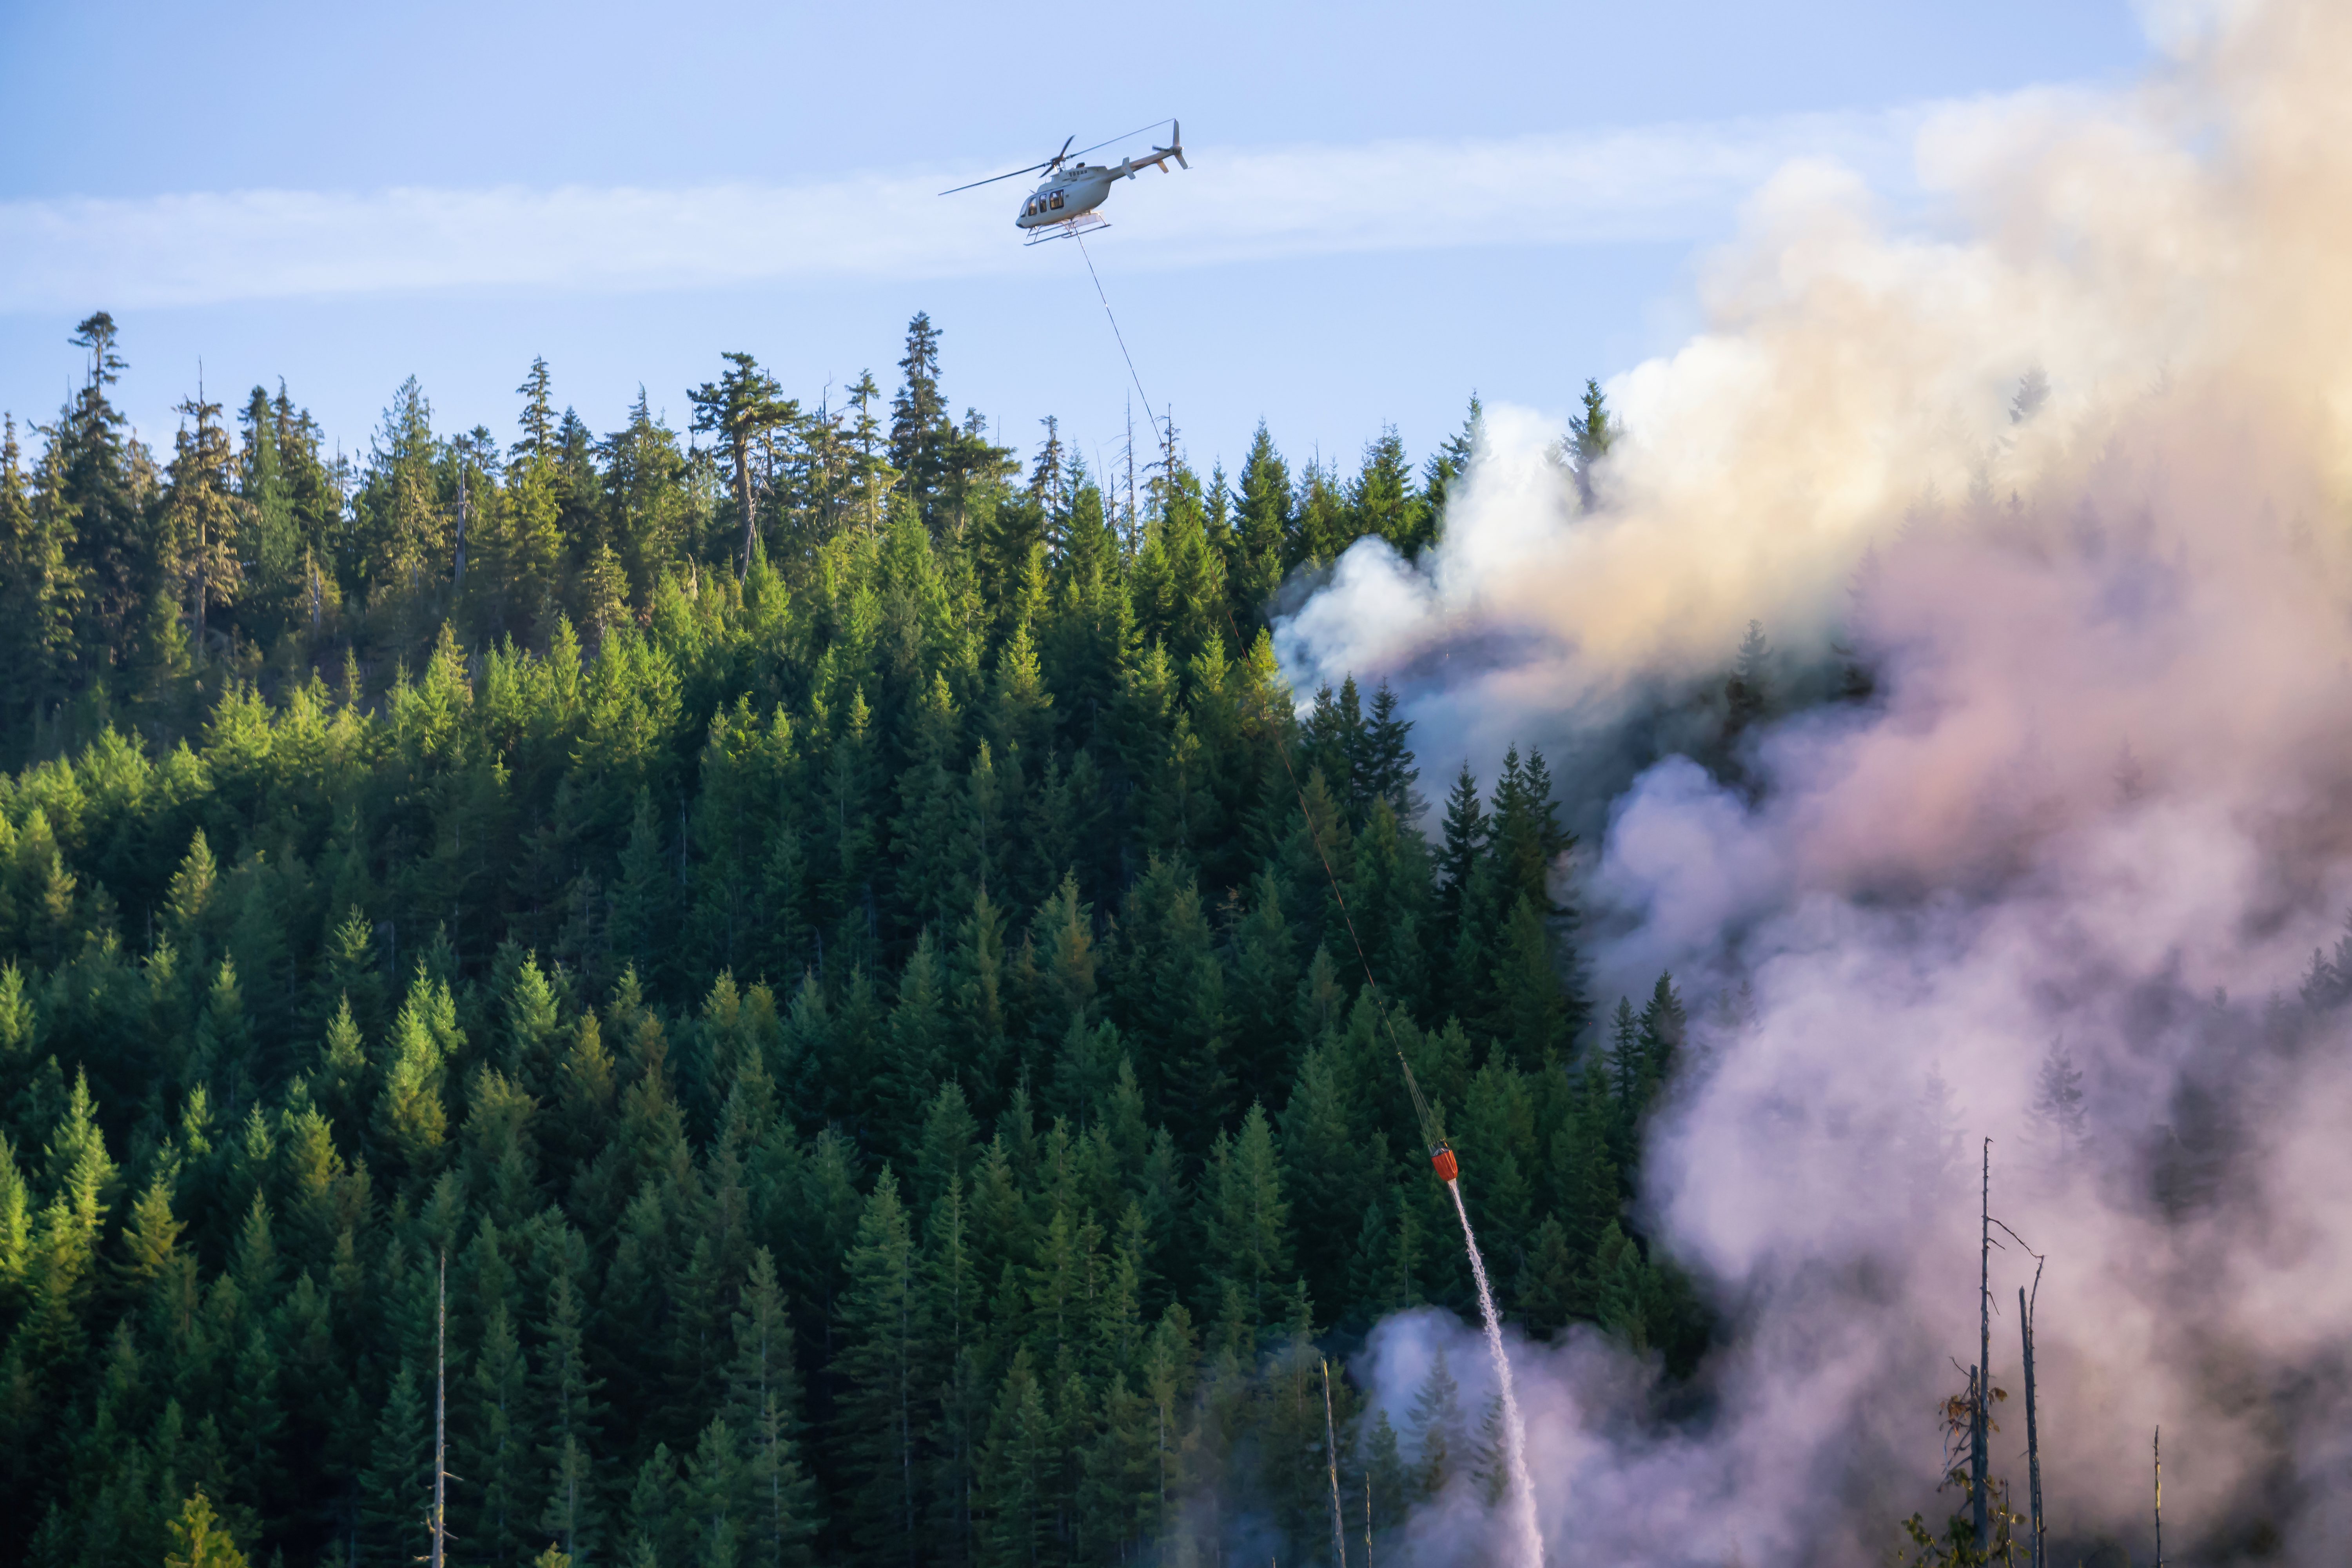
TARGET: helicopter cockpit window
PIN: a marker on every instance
(1057, 201)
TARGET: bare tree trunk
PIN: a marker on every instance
(1981, 1420)
(2158, 1446)
(1331, 1458)
(743, 494)
(464, 509)
(441, 1419)
(201, 596)
(2032, 1434)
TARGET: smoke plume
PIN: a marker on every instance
(2093, 808)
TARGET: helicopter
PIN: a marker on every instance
(1063, 203)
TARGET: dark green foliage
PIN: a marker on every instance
(818, 931)
(1590, 435)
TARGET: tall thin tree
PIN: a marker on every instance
(441, 1416)
(204, 513)
(2033, 1430)
(1980, 1417)
(1331, 1458)
(742, 407)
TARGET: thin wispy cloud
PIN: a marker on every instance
(1660, 182)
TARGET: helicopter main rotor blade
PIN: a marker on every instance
(1122, 136)
(993, 178)
(1053, 162)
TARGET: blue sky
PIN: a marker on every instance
(1388, 206)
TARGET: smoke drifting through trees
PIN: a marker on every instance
(2066, 495)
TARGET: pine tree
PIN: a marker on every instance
(764, 1401)
(2058, 1103)
(742, 409)
(605, 593)
(920, 431)
(715, 1502)
(1324, 1172)
(1544, 1294)
(878, 1408)
(198, 1538)
(397, 1493)
(1015, 1489)
(495, 1458)
(91, 498)
(1531, 1011)
(1382, 500)
(566, 1392)
(1664, 1026)
(1247, 1221)
(1441, 1441)
(1318, 525)
(206, 516)
(1590, 435)
(1622, 1288)
(1747, 694)
(413, 1118)
(41, 587)
(1451, 462)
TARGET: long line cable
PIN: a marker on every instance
(1113, 318)
(1283, 751)
(1515, 1437)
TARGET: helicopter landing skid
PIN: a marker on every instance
(1069, 228)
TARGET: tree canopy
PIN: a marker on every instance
(835, 944)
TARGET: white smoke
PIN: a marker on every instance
(2102, 800)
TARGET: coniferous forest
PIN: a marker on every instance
(816, 926)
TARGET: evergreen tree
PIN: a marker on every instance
(198, 1538)
(1747, 695)
(742, 409)
(878, 1408)
(1247, 1221)
(921, 433)
(1590, 435)
(1441, 1440)
(872, 1029)
(1451, 462)
(41, 585)
(94, 486)
(764, 1399)
(1383, 500)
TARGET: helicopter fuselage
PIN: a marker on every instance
(1069, 193)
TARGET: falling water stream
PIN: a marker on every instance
(1515, 1430)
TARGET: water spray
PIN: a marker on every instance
(1529, 1533)
(1515, 1433)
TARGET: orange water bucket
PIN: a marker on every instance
(1440, 1159)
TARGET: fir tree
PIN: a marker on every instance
(1591, 435)
(742, 407)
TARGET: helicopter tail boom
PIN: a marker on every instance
(1159, 157)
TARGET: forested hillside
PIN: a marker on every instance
(819, 923)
